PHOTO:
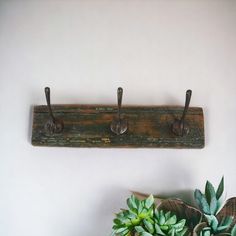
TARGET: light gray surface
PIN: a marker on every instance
(84, 50)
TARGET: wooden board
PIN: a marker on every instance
(89, 126)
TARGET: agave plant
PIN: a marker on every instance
(217, 222)
(209, 203)
(144, 219)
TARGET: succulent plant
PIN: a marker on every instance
(164, 224)
(182, 210)
(139, 210)
(143, 218)
(215, 227)
(167, 224)
(210, 204)
(173, 217)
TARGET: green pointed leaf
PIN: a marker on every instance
(162, 218)
(113, 233)
(135, 200)
(212, 221)
(140, 207)
(214, 225)
(131, 215)
(167, 215)
(172, 232)
(158, 230)
(202, 202)
(125, 232)
(148, 226)
(146, 234)
(220, 188)
(149, 201)
(211, 198)
(213, 206)
(139, 229)
(183, 232)
(222, 228)
(117, 221)
(157, 214)
(120, 230)
(172, 220)
(180, 224)
(207, 233)
(207, 193)
(132, 203)
(226, 221)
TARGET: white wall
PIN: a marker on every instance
(84, 50)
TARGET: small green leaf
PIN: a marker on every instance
(135, 200)
(220, 188)
(140, 207)
(167, 215)
(172, 220)
(212, 220)
(146, 234)
(125, 232)
(222, 228)
(148, 226)
(120, 230)
(158, 229)
(149, 201)
(211, 197)
(180, 224)
(214, 225)
(183, 232)
(213, 206)
(207, 192)
(202, 202)
(139, 229)
(226, 221)
(162, 218)
(132, 206)
(207, 233)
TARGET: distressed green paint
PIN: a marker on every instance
(89, 126)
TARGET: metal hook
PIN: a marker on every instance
(53, 125)
(180, 127)
(119, 125)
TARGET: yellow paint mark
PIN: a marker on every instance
(106, 140)
(81, 141)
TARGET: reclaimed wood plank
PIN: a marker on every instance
(89, 126)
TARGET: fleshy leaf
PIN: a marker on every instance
(202, 202)
(149, 226)
(220, 189)
(158, 229)
(149, 201)
(139, 229)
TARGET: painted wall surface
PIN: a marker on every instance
(84, 50)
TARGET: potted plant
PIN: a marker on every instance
(149, 216)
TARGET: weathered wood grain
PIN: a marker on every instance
(89, 126)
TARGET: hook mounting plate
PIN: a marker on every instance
(89, 126)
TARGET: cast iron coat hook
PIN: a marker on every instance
(180, 127)
(119, 125)
(53, 125)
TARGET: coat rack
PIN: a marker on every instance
(118, 126)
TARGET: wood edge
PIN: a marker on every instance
(114, 105)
